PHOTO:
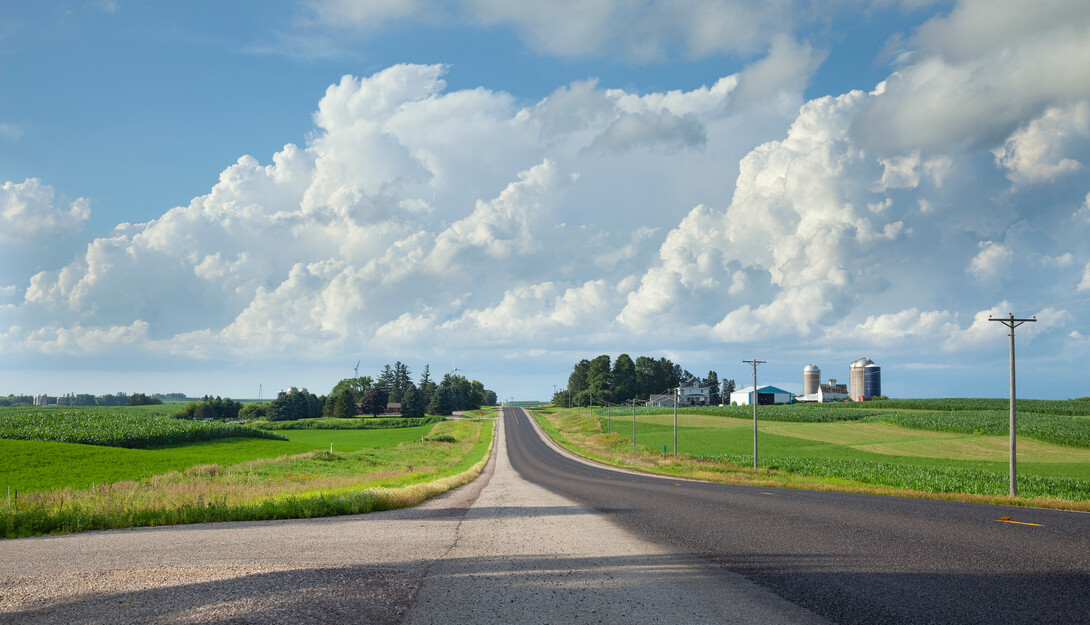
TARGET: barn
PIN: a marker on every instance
(766, 395)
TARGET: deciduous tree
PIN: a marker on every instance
(374, 402)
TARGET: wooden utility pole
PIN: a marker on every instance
(1013, 323)
(677, 398)
(755, 362)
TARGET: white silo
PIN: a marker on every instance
(811, 379)
(857, 378)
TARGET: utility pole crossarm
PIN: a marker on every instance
(1013, 323)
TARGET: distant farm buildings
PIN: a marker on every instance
(293, 389)
(864, 382)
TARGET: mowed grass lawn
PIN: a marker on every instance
(705, 435)
(27, 466)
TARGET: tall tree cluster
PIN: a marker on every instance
(595, 382)
(355, 396)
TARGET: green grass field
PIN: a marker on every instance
(247, 479)
(33, 466)
(942, 445)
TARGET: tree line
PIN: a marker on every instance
(86, 399)
(363, 395)
(599, 381)
(394, 384)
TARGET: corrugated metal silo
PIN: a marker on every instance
(811, 378)
(872, 380)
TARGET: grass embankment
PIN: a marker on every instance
(837, 447)
(356, 423)
(300, 485)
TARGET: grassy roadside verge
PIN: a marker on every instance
(308, 485)
(583, 434)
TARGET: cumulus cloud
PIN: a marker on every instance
(991, 261)
(893, 329)
(30, 209)
(1039, 151)
(415, 216)
(407, 203)
(980, 73)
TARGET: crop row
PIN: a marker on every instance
(799, 413)
(849, 411)
(1048, 428)
(1068, 407)
(923, 478)
(113, 429)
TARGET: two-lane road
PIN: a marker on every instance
(851, 558)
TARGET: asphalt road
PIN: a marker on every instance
(850, 558)
(498, 550)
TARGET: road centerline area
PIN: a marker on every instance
(527, 555)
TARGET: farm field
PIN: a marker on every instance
(944, 446)
(31, 465)
(235, 479)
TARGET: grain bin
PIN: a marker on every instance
(872, 380)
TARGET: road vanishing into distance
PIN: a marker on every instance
(850, 558)
(542, 537)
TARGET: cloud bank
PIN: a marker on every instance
(417, 219)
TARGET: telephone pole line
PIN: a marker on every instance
(755, 362)
(1013, 323)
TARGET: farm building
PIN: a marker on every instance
(692, 393)
(766, 395)
(827, 393)
(662, 400)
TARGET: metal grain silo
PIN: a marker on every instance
(811, 378)
(856, 378)
(872, 380)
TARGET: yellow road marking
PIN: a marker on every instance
(766, 493)
(1007, 519)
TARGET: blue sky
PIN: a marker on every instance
(193, 199)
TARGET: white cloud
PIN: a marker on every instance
(1084, 283)
(406, 198)
(979, 74)
(30, 210)
(785, 70)
(77, 339)
(417, 219)
(1038, 151)
(891, 329)
(992, 260)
